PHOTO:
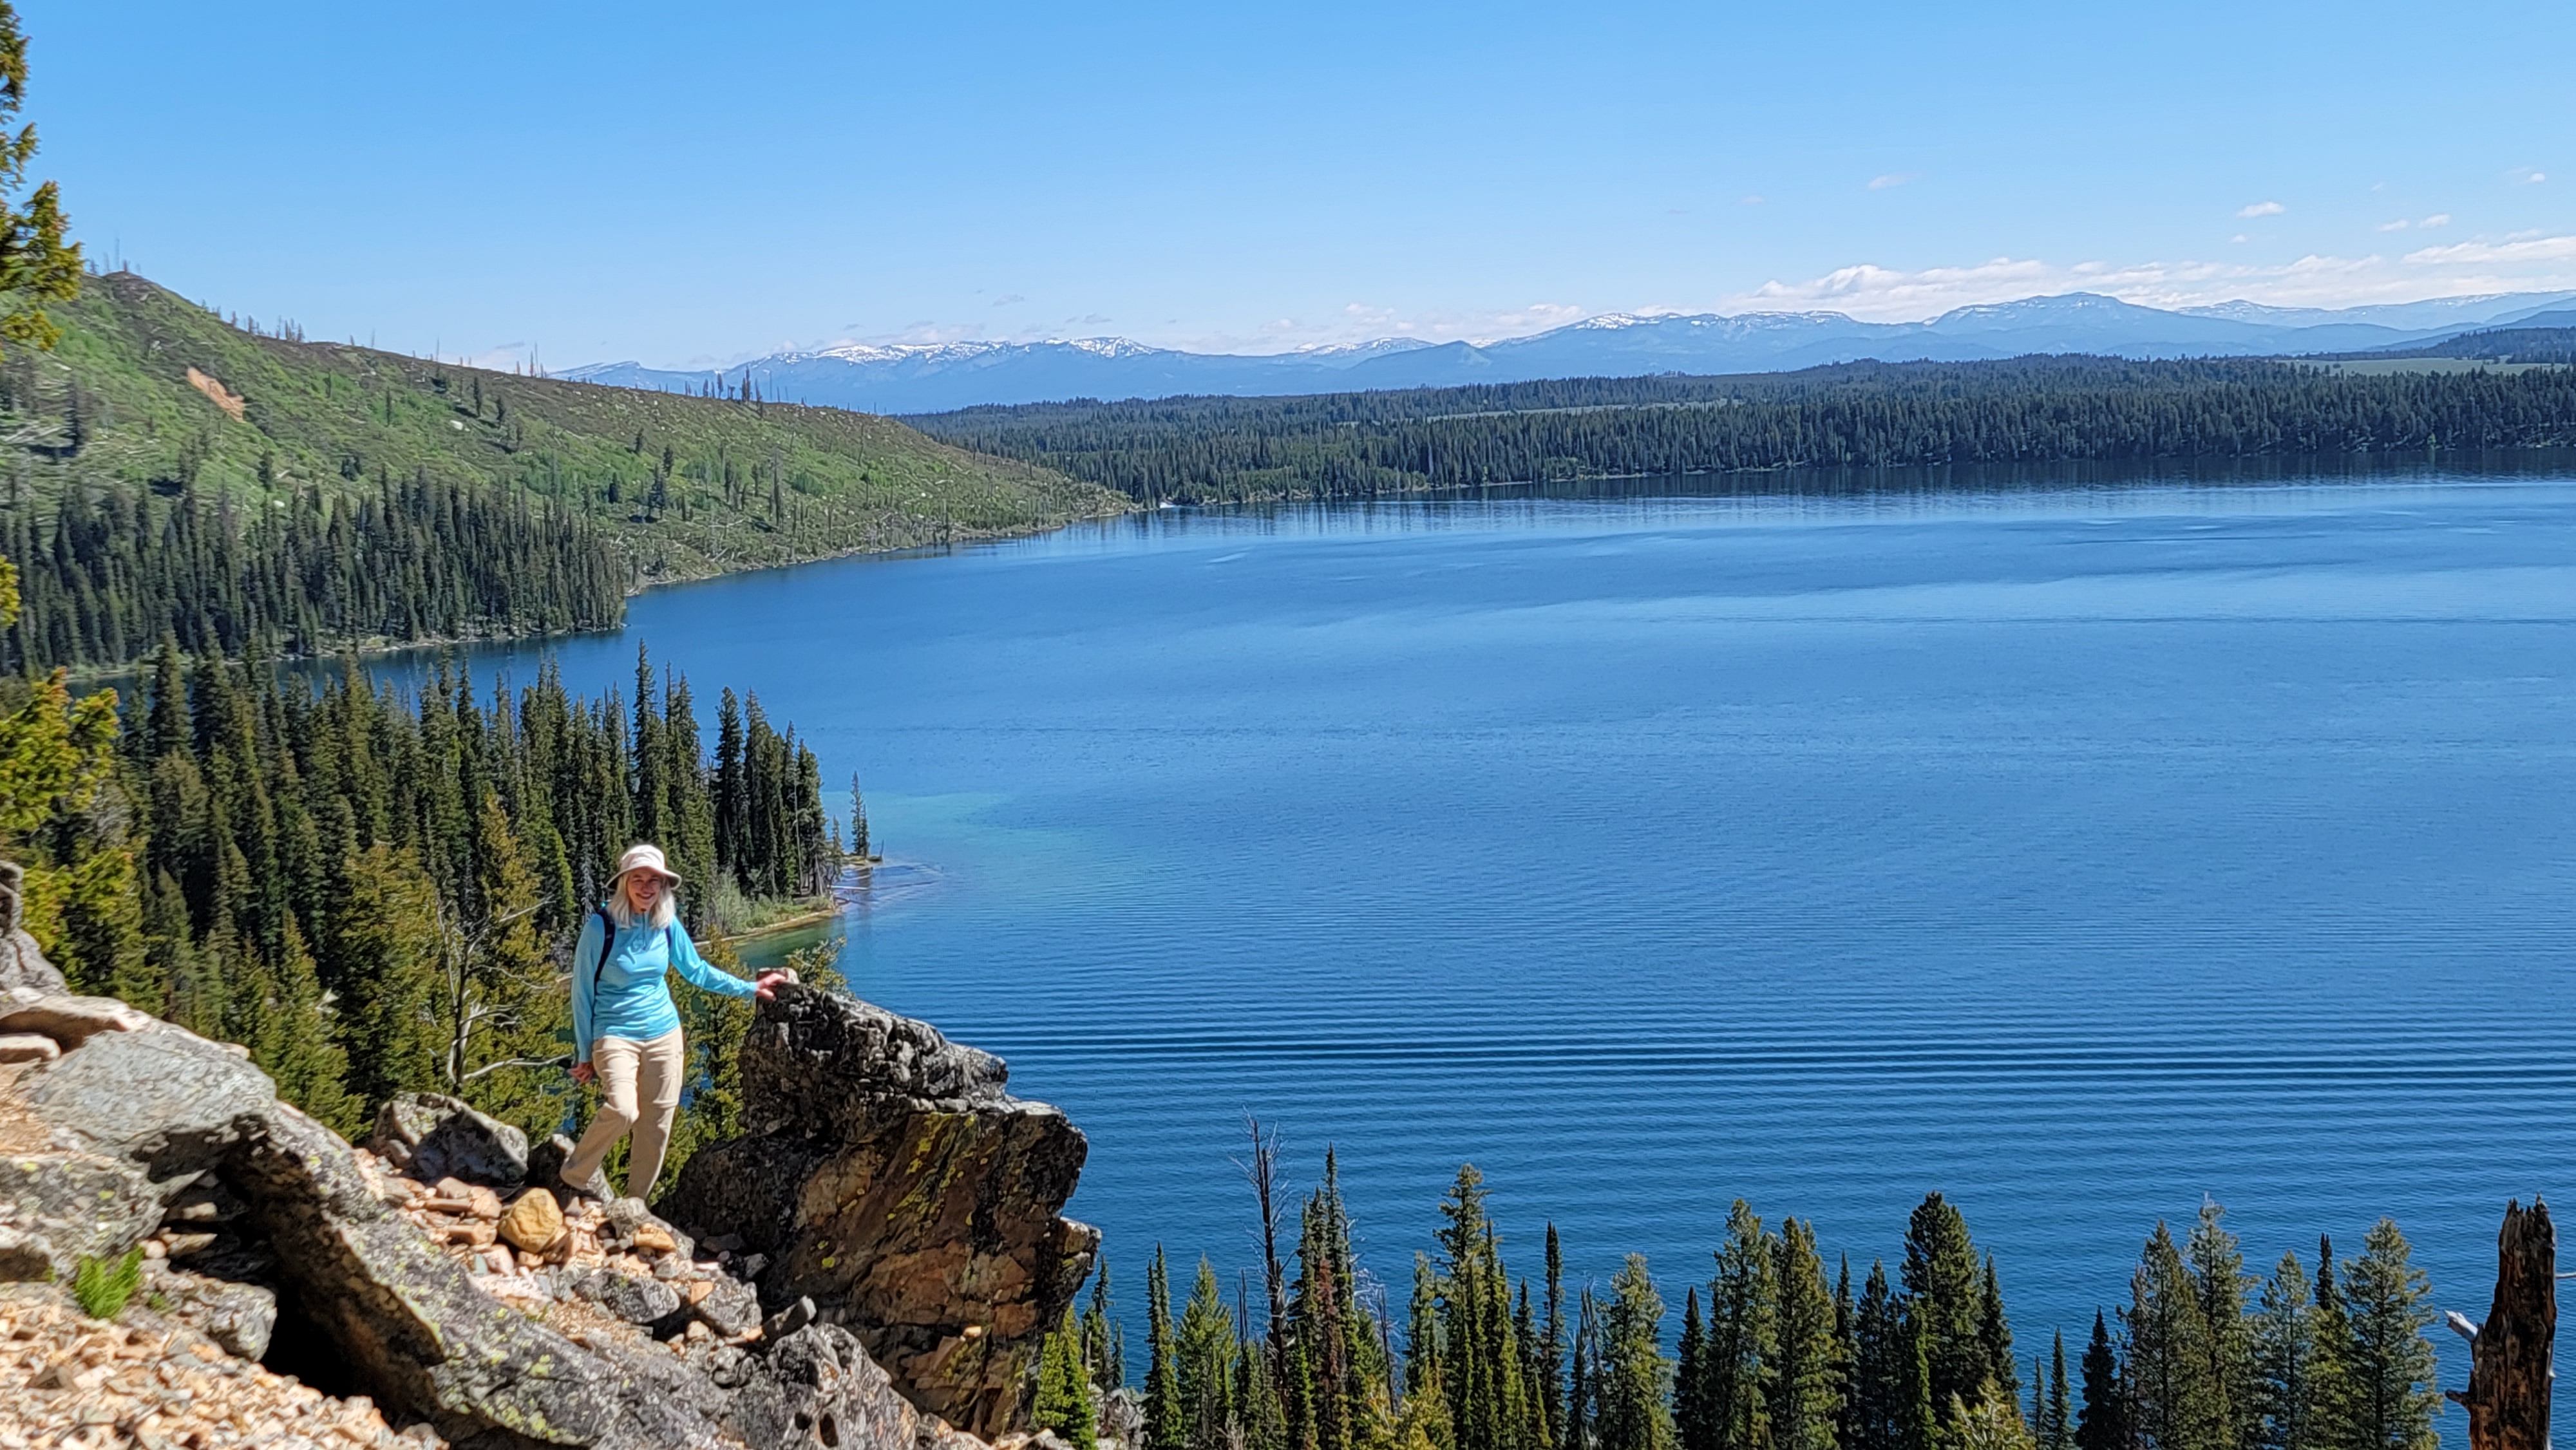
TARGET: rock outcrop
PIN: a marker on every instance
(889, 1178)
(895, 1207)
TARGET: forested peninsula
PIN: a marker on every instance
(235, 486)
(1857, 415)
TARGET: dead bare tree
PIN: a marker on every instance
(1262, 1172)
(2509, 1376)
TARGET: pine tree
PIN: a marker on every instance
(1805, 1391)
(1882, 1369)
(384, 933)
(2103, 1422)
(1166, 1424)
(1552, 1347)
(1635, 1375)
(1945, 1302)
(2060, 1416)
(2174, 1396)
(2284, 1340)
(1206, 1346)
(1994, 1333)
(1694, 1421)
(1064, 1403)
(2390, 1370)
(2218, 1271)
(1099, 1331)
(1743, 1334)
(2332, 1410)
(41, 266)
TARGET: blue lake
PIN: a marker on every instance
(2079, 852)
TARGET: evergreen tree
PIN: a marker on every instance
(2060, 1419)
(1805, 1391)
(2284, 1340)
(2103, 1422)
(1166, 1422)
(1882, 1370)
(2175, 1400)
(1064, 1404)
(36, 265)
(1206, 1346)
(1635, 1376)
(1694, 1419)
(1945, 1302)
(1743, 1335)
(1551, 1384)
(2390, 1369)
(1099, 1325)
(2218, 1271)
(1994, 1333)
(2332, 1383)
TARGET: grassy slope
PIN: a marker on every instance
(333, 416)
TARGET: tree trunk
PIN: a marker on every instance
(2508, 1394)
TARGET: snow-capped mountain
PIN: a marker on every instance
(935, 377)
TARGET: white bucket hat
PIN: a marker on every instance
(645, 858)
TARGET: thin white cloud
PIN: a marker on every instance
(2534, 249)
(2262, 208)
(2398, 225)
(1007, 298)
(1882, 183)
(2240, 237)
(2437, 219)
(1750, 201)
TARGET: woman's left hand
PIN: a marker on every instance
(766, 985)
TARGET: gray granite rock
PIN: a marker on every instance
(428, 1137)
(75, 1206)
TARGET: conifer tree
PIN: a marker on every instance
(36, 264)
(2218, 1272)
(387, 977)
(2103, 1422)
(1551, 1385)
(2175, 1401)
(1101, 1355)
(1882, 1369)
(1206, 1343)
(1166, 1425)
(2284, 1340)
(1743, 1335)
(1805, 1389)
(1635, 1376)
(1063, 1404)
(1994, 1332)
(2060, 1418)
(2389, 1369)
(1944, 1302)
(1694, 1423)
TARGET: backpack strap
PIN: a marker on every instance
(607, 944)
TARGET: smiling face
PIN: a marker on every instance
(644, 891)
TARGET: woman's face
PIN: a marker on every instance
(643, 890)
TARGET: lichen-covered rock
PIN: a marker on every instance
(889, 1177)
(73, 1206)
(637, 1301)
(240, 1317)
(822, 1389)
(400, 1315)
(429, 1137)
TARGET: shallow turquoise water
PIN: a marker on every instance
(2079, 853)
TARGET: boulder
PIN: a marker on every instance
(637, 1301)
(240, 1317)
(888, 1176)
(74, 1206)
(822, 1389)
(730, 1307)
(427, 1138)
(403, 1320)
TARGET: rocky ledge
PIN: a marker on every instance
(892, 1207)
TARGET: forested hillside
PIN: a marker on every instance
(1864, 414)
(376, 893)
(170, 472)
(1778, 1348)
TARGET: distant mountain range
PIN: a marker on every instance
(945, 376)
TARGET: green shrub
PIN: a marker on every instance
(102, 1286)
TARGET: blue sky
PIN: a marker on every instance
(691, 184)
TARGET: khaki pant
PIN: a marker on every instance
(632, 1075)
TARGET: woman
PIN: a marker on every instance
(625, 1024)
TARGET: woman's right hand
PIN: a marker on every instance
(582, 1073)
